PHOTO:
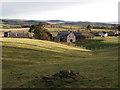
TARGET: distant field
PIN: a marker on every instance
(15, 29)
(7, 26)
(28, 58)
(65, 28)
(54, 30)
(107, 30)
(61, 28)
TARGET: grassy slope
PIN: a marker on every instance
(27, 58)
(98, 43)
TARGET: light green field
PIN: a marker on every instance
(106, 30)
(7, 26)
(15, 29)
(56, 29)
(28, 58)
(74, 28)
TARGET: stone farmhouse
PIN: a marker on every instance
(70, 37)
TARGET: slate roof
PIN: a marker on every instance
(63, 34)
(102, 34)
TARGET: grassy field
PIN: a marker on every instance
(15, 29)
(7, 26)
(98, 43)
(74, 28)
(24, 59)
(106, 30)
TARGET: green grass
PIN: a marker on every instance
(65, 28)
(27, 58)
(7, 26)
(98, 43)
(56, 29)
(74, 28)
(106, 30)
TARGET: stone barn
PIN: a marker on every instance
(69, 37)
(16, 34)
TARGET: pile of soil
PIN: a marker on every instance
(68, 76)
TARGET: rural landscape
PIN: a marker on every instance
(95, 57)
(59, 45)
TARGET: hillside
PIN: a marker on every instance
(22, 21)
(24, 59)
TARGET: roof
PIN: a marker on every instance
(63, 34)
(102, 34)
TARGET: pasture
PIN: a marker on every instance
(24, 59)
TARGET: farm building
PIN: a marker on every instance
(70, 36)
(16, 34)
(113, 33)
(103, 34)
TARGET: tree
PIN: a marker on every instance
(89, 28)
(118, 27)
(31, 28)
(40, 32)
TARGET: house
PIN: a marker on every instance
(111, 33)
(69, 37)
(116, 33)
(103, 34)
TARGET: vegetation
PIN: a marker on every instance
(40, 32)
(79, 28)
(26, 59)
(106, 30)
(32, 27)
(119, 27)
(98, 43)
(88, 27)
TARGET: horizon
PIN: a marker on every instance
(111, 22)
(88, 11)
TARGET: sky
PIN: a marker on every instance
(68, 10)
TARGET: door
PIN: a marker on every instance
(71, 40)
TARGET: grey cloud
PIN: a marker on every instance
(10, 8)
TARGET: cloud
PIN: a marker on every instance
(87, 10)
(11, 8)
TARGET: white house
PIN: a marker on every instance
(103, 34)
